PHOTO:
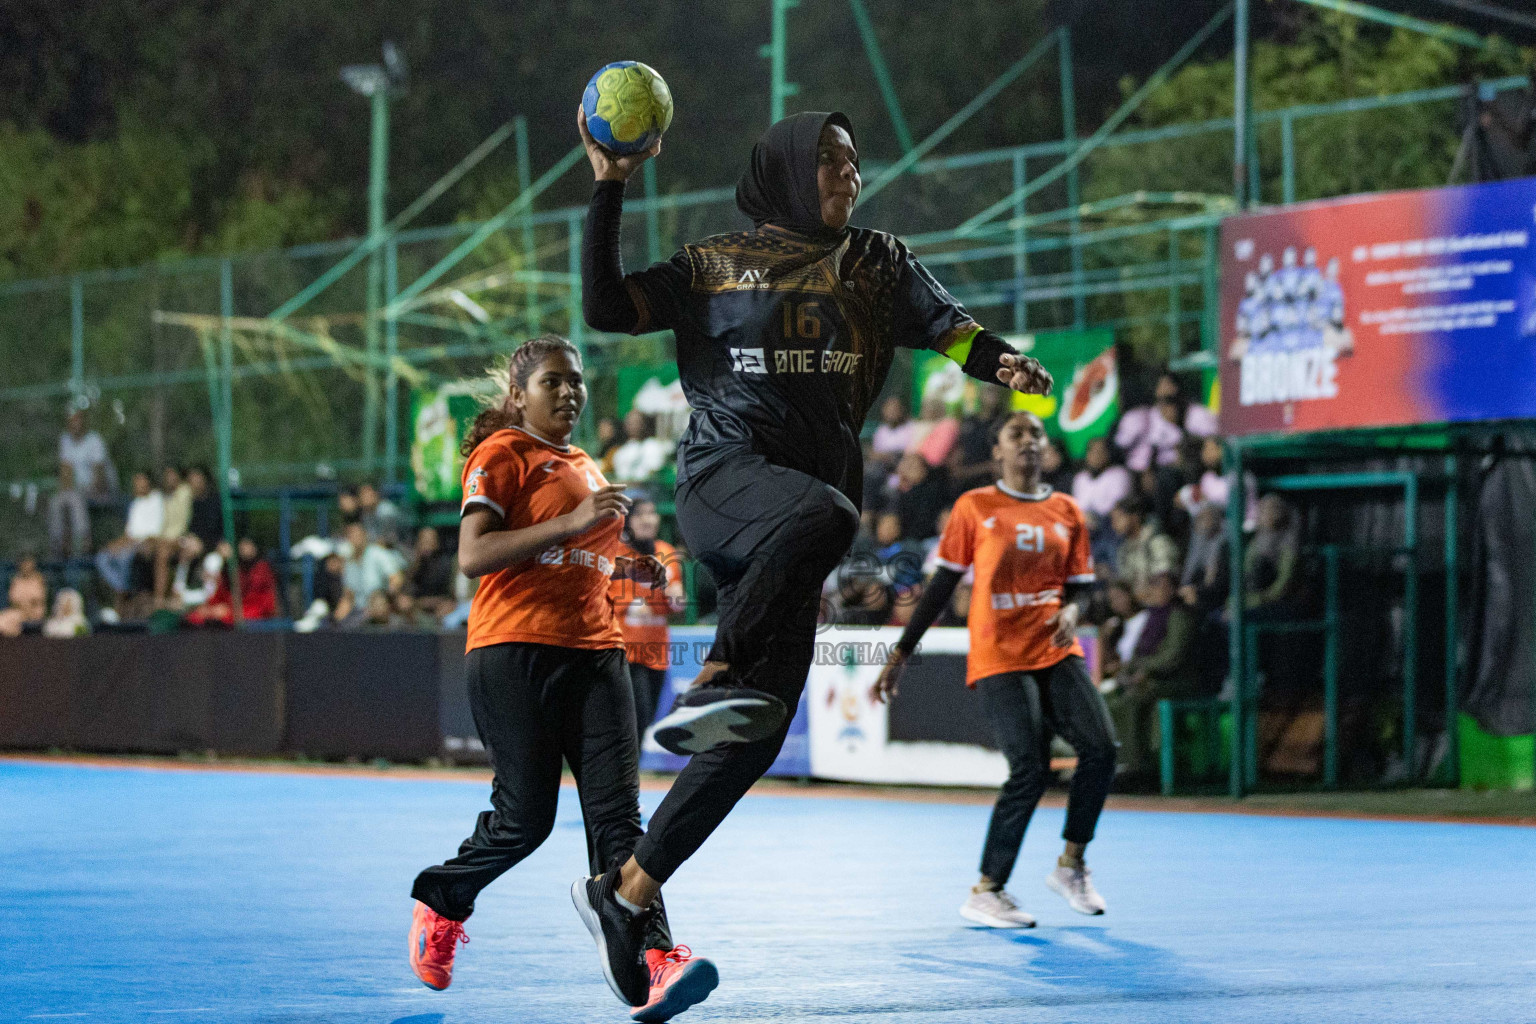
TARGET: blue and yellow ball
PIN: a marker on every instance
(628, 107)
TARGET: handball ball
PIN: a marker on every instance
(628, 106)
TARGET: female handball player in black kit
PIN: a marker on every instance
(785, 334)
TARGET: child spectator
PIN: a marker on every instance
(68, 618)
(146, 518)
(27, 599)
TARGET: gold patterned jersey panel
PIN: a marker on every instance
(750, 261)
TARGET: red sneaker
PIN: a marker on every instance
(434, 939)
(678, 981)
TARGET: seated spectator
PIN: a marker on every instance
(919, 493)
(958, 611)
(900, 558)
(1144, 551)
(430, 574)
(644, 454)
(85, 453)
(377, 613)
(69, 521)
(1271, 561)
(146, 518)
(1098, 488)
(935, 433)
(68, 618)
(178, 520)
(1150, 434)
(258, 591)
(1054, 471)
(970, 461)
(348, 509)
(197, 577)
(379, 516)
(893, 436)
(369, 564)
(407, 613)
(1203, 581)
(1119, 632)
(1161, 666)
(206, 524)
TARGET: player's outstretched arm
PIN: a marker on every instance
(940, 588)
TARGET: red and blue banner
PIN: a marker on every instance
(1381, 310)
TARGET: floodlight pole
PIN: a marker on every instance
(1240, 105)
(378, 178)
(777, 53)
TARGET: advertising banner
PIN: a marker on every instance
(1384, 310)
(1084, 403)
(440, 419)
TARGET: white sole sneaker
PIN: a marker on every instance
(1060, 888)
(986, 920)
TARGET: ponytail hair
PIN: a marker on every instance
(499, 412)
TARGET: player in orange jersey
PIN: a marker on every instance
(1030, 551)
(642, 610)
(540, 528)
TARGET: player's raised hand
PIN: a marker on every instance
(603, 503)
(608, 166)
(889, 683)
(1023, 373)
(1065, 621)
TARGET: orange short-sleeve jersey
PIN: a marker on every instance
(559, 597)
(1025, 550)
(642, 610)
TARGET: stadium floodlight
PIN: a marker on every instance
(369, 79)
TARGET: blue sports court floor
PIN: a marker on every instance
(149, 895)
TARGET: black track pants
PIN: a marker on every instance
(534, 705)
(770, 536)
(1026, 709)
(646, 684)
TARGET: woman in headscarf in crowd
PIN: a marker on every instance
(785, 334)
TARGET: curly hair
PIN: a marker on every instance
(515, 368)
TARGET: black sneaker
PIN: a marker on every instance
(620, 937)
(711, 716)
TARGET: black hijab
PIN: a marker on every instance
(779, 184)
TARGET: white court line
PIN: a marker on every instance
(1467, 963)
(189, 1009)
(40, 1016)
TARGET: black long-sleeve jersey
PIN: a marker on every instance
(783, 341)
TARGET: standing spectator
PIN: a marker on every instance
(369, 564)
(1054, 471)
(644, 454)
(1144, 551)
(1150, 434)
(429, 575)
(935, 433)
(1098, 488)
(28, 592)
(609, 437)
(893, 435)
(68, 618)
(85, 453)
(379, 516)
(258, 591)
(919, 494)
(146, 518)
(642, 609)
(178, 519)
(970, 461)
(69, 521)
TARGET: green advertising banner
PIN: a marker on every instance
(1083, 405)
(441, 417)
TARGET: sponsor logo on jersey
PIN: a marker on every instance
(1011, 601)
(475, 476)
(748, 360)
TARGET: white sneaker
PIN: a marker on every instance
(995, 909)
(1075, 885)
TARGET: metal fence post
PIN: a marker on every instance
(1020, 245)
